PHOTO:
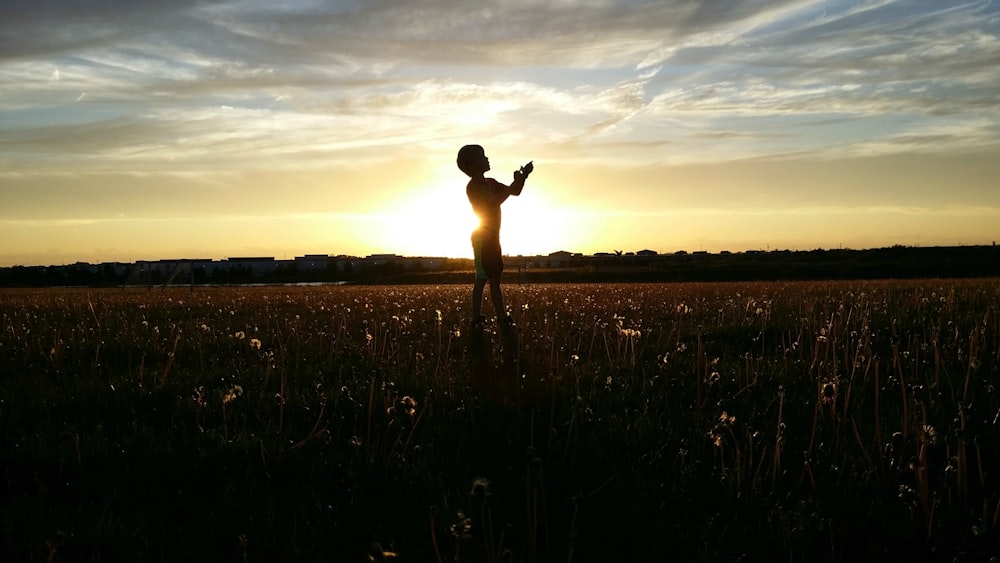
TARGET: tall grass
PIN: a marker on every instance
(755, 421)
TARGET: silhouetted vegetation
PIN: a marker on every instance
(884, 263)
(765, 421)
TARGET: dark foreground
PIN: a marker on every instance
(811, 421)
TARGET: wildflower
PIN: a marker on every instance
(480, 488)
(240, 335)
(409, 405)
(462, 529)
(822, 335)
(726, 418)
(232, 394)
(716, 438)
(204, 328)
(199, 396)
(829, 392)
(255, 343)
(930, 434)
(376, 553)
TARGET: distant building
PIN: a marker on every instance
(258, 265)
(379, 259)
(312, 262)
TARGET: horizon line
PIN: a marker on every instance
(646, 252)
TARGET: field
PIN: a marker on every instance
(810, 421)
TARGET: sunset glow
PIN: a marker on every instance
(213, 129)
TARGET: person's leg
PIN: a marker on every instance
(481, 278)
(477, 299)
(497, 297)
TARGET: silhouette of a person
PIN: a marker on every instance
(486, 195)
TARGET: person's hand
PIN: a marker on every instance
(522, 173)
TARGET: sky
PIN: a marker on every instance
(212, 129)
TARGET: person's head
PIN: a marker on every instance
(472, 160)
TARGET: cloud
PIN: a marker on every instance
(146, 85)
(37, 28)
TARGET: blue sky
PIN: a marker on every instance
(144, 130)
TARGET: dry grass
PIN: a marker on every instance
(791, 421)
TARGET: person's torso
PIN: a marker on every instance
(483, 194)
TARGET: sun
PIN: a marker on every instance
(432, 220)
(534, 225)
(436, 219)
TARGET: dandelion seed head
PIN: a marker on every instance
(408, 405)
(930, 433)
(716, 438)
(480, 488)
(232, 394)
(828, 392)
(462, 529)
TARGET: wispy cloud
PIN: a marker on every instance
(143, 76)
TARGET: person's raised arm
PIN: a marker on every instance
(520, 176)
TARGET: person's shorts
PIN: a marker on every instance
(487, 254)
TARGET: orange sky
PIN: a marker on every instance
(190, 130)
